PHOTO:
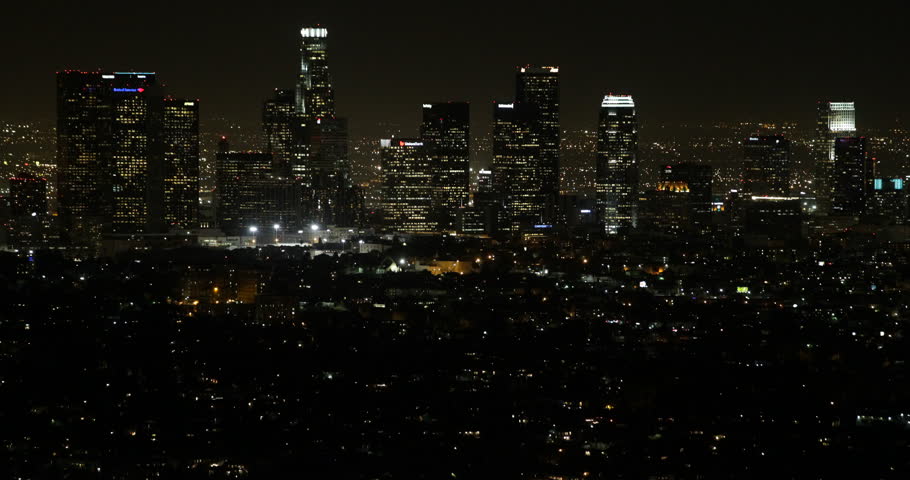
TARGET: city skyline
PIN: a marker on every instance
(672, 67)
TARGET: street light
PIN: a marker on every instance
(253, 229)
(314, 227)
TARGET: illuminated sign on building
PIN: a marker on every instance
(402, 143)
(129, 90)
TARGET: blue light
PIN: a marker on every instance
(898, 183)
(877, 184)
(126, 89)
(543, 226)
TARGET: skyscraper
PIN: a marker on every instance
(248, 194)
(127, 156)
(888, 200)
(181, 163)
(616, 180)
(407, 185)
(446, 127)
(132, 139)
(315, 98)
(540, 86)
(279, 119)
(698, 179)
(834, 120)
(83, 153)
(766, 166)
(516, 165)
(853, 175)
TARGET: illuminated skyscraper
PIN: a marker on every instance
(616, 180)
(540, 86)
(180, 135)
(834, 120)
(315, 98)
(83, 153)
(766, 166)
(516, 165)
(132, 139)
(407, 185)
(446, 126)
(853, 175)
(279, 118)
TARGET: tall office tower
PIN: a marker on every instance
(332, 186)
(119, 143)
(516, 165)
(279, 122)
(315, 98)
(616, 179)
(180, 136)
(134, 130)
(766, 166)
(540, 86)
(407, 185)
(853, 176)
(888, 200)
(834, 120)
(83, 153)
(698, 179)
(447, 127)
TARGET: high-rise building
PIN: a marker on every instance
(315, 97)
(128, 157)
(516, 165)
(888, 200)
(616, 179)
(698, 179)
(249, 195)
(280, 123)
(134, 130)
(766, 166)
(446, 126)
(540, 86)
(853, 175)
(330, 173)
(834, 120)
(407, 185)
(180, 134)
(84, 152)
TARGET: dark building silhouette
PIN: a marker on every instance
(766, 166)
(853, 176)
(249, 195)
(698, 179)
(888, 200)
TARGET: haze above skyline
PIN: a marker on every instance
(683, 63)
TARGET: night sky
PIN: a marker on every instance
(682, 61)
